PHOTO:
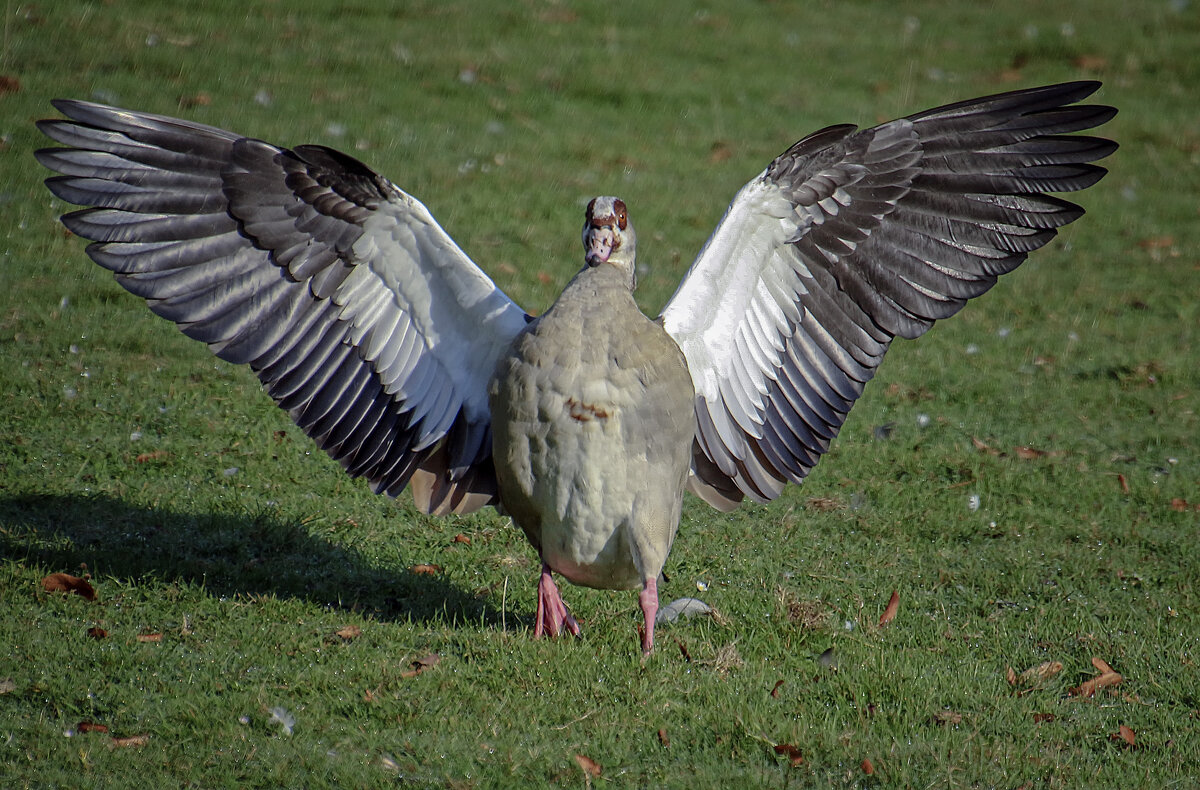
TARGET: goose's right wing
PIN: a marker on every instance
(360, 316)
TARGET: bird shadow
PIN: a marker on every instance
(229, 555)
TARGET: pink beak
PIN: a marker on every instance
(601, 242)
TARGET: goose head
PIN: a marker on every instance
(609, 238)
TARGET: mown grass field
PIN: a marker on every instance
(268, 622)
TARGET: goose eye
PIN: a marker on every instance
(622, 220)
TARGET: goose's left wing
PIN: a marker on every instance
(849, 239)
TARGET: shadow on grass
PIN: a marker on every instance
(245, 554)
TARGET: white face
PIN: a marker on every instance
(607, 233)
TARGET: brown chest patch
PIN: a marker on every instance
(585, 412)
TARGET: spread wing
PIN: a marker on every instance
(358, 313)
(849, 239)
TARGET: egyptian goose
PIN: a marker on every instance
(391, 349)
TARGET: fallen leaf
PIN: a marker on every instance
(426, 570)
(823, 504)
(1124, 483)
(9, 84)
(1038, 718)
(590, 767)
(1125, 734)
(154, 456)
(985, 447)
(683, 650)
(1090, 687)
(349, 632)
(201, 99)
(775, 691)
(1101, 665)
(96, 632)
(461, 538)
(1030, 453)
(1043, 671)
(791, 752)
(1181, 505)
(866, 767)
(1010, 676)
(720, 151)
(7, 686)
(87, 726)
(132, 740)
(65, 582)
(889, 613)
(663, 739)
(1091, 62)
(544, 278)
(421, 664)
(1157, 242)
(149, 637)
(944, 717)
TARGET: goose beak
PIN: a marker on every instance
(599, 244)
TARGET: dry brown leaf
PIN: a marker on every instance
(1043, 671)
(421, 664)
(791, 752)
(132, 740)
(720, 151)
(1123, 483)
(1091, 62)
(426, 570)
(683, 650)
(1157, 242)
(157, 455)
(663, 738)
(1010, 676)
(1101, 665)
(867, 767)
(889, 613)
(1038, 718)
(9, 84)
(775, 691)
(7, 686)
(544, 278)
(985, 447)
(944, 717)
(65, 582)
(1031, 453)
(1125, 734)
(200, 99)
(1089, 687)
(149, 637)
(461, 538)
(590, 767)
(824, 504)
(96, 632)
(1181, 505)
(87, 726)
(349, 632)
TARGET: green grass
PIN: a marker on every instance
(504, 120)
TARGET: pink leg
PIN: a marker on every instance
(648, 598)
(552, 614)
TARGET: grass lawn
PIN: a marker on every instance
(1026, 477)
